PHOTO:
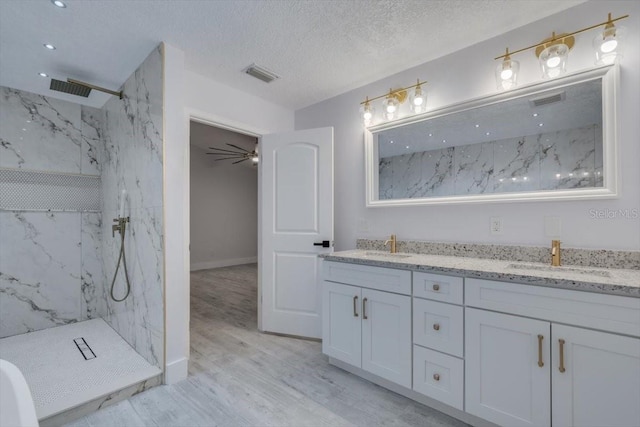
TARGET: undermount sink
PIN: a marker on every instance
(385, 254)
(586, 271)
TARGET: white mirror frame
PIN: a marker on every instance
(610, 89)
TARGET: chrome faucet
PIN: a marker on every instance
(391, 240)
(555, 253)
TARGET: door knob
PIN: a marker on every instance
(324, 244)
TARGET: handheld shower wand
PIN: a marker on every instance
(121, 227)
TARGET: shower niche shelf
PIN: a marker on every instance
(24, 190)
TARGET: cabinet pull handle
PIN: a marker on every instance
(364, 309)
(355, 302)
(436, 287)
(540, 362)
(561, 368)
(436, 377)
(436, 326)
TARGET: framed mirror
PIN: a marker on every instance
(554, 140)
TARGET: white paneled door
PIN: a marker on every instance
(296, 190)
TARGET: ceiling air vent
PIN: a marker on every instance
(547, 99)
(261, 73)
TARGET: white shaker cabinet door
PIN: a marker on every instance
(341, 331)
(597, 380)
(386, 335)
(507, 377)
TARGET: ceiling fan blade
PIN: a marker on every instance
(239, 148)
(240, 161)
(228, 158)
(226, 151)
(228, 154)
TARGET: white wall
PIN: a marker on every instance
(224, 212)
(467, 74)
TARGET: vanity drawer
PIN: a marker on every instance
(438, 287)
(438, 376)
(438, 326)
(383, 279)
(589, 309)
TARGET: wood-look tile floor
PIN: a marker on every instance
(241, 377)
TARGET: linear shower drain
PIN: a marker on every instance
(84, 348)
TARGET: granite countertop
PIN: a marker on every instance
(590, 279)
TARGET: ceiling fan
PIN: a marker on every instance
(238, 153)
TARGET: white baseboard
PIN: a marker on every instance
(222, 263)
(176, 371)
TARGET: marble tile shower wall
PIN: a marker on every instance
(133, 161)
(548, 161)
(49, 261)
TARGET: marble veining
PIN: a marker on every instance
(615, 282)
(132, 160)
(564, 159)
(40, 270)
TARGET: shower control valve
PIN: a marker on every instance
(120, 226)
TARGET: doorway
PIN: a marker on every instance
(223, 198)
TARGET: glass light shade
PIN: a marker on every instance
(390, 107)
(507, 74)
(553, 60)
(609, 44)
(367, 112)
(418, 100)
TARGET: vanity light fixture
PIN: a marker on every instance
(609, 43)
(367, 112)
(553, 52)
(507, 72)
(391, 102)
(418, 99)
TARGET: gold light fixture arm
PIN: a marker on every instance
(557, 38)
(399, 94)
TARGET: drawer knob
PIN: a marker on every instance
(436, 326)
(436, 377)
(436, 287)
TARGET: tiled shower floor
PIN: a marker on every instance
(59, 376)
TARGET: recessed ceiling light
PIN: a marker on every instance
(43, 74)
(540, 124)
(59, 3)
(488, 133)
(444, 140)
(49, 46)
(407, 146)
(477, 126)
(535, 114)
(430, 134)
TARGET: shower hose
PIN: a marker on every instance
(121, 258)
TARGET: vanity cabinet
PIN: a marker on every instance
(438, 337)
(519, 371)
(368, 328)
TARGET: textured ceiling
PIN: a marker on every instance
(319, 48)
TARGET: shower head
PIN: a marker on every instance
(71, 88)
(76, 87)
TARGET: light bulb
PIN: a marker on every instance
(391, 108)
(609, 45)
(506, 74)
(367, 115)
(254, 159)
(553, 62)
(367, 112)
(418, 101)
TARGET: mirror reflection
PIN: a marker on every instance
(548, 141)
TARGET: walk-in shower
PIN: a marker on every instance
(82, 310)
